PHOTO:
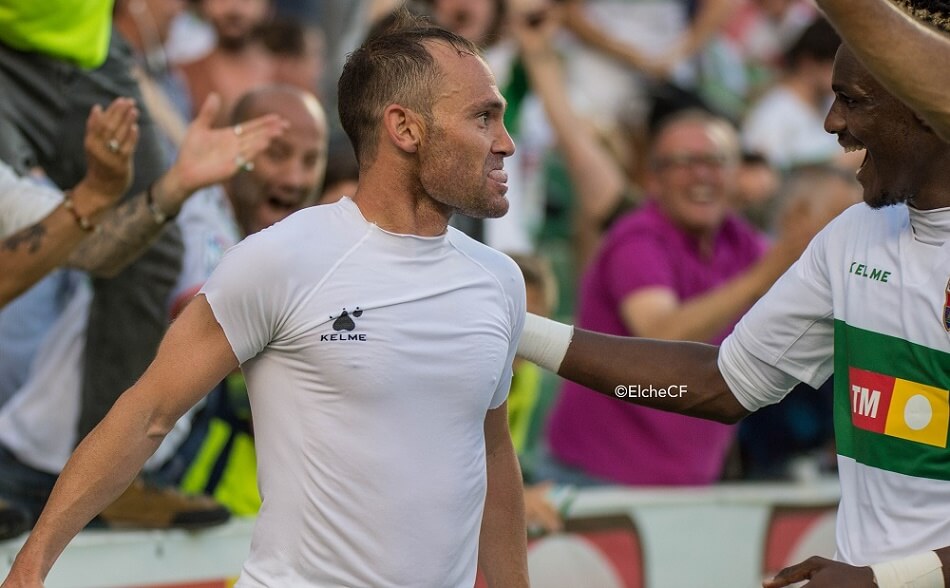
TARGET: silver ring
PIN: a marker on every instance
(238, 130)
(113, 145)
(243, 164)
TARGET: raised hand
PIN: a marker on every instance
(210, 155)
(111, 137)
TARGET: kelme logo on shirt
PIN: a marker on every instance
(899, 408)
(343, 324)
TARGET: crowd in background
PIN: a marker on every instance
(671, 163)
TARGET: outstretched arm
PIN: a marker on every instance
(687, 371)
(903, 54)
(193, 357)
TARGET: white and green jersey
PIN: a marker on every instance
(870, 301)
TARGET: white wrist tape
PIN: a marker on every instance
(922, 570)
(544, 341)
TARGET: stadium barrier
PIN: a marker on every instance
(725, 536)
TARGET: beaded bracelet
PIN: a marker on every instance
(158, 215)
(82, 221)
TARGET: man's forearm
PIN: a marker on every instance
(502, 553)
(126, 231)
(635, 370)
(34, 251)
(103, 465)
(902, 53)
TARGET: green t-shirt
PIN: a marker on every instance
(73, 30)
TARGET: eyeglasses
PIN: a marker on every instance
(683, 160)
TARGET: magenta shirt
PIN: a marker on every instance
(628, 444)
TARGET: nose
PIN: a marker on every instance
(294, 174)
(504, 144)
(834, 121)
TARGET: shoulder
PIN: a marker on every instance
(743, 235)
(310, 236)
(496, 264)
(491, 260)
(645, 221)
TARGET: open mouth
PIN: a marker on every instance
(849, 144)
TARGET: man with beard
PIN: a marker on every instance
(868, 300)
(377, 346)
(239, 61)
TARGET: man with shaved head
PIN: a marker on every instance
(286, 175)
(376, 342)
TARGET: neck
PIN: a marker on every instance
(932, 191)
(395, 207)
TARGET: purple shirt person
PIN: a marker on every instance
(631, 444)
(685, 268)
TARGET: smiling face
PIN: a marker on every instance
(461, 156)
(694, 173)
(287, 174)
(899, 149)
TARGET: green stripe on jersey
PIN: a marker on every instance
(891, 403)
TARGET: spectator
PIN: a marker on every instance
(623, 41)
(146, 26)
(298, 52)
(786, 125)
(598, 181)
(757, 184)
(59, 222)
(39, 427)
(57, 60)
(683, 267)
(239, 61)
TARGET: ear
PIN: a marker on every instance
(403, 127)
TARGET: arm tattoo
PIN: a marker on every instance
(31, 237)
(123, 235)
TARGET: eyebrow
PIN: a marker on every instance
(491, 104)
